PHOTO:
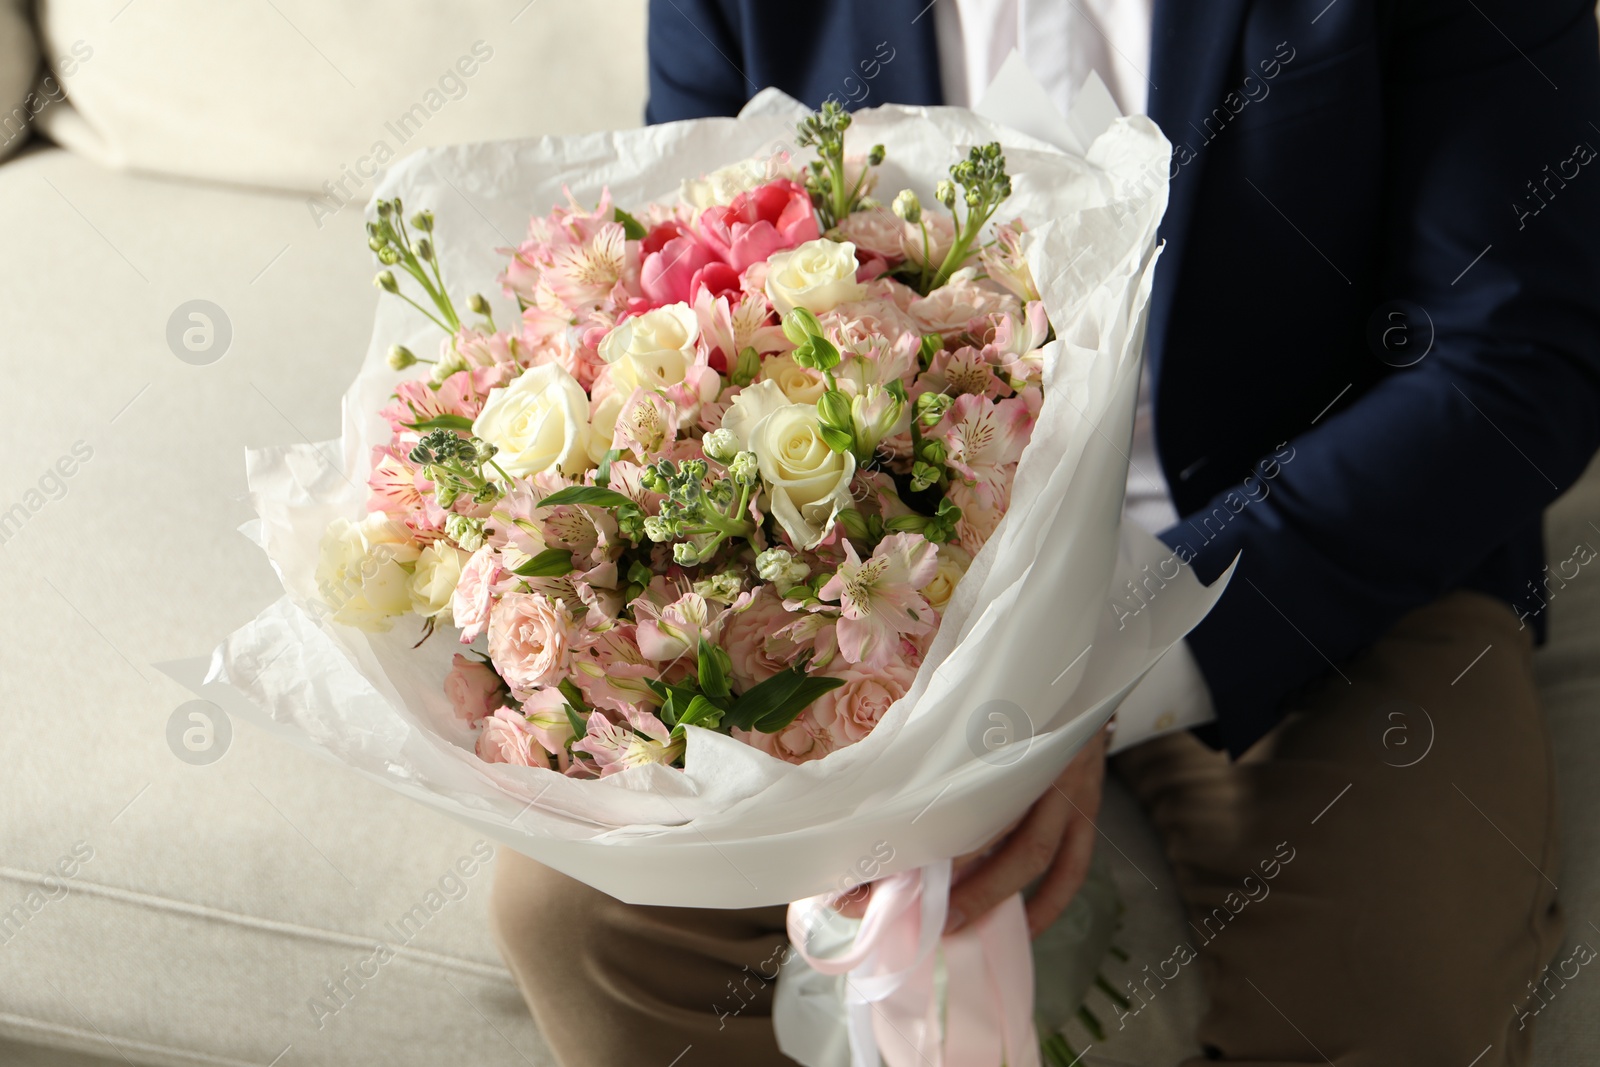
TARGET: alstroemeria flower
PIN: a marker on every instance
(616, 747)
(879, 598)
(983, 438)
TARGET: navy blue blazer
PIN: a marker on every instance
(1375, 332)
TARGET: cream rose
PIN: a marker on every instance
(434, 581)
(539, 422)
(818, 276)
(800, 385)
(807, 482)
(718, 188)
(653, 350)
(953, 562)
(364, 571)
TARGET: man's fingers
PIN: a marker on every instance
(1026, 854)
(1065, 878)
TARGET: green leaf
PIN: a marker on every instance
(442, 422)
(700, 712)
(771, 705)
(639, 574)
(574, 695)
(713, 679)
(632, 228)
(596, 495)
(602, 475)
(551, 563)
(580, 725)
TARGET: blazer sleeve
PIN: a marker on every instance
(1493, 201)
(695, 61)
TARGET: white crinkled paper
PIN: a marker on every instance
(1029, 624)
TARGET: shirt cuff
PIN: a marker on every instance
(1173, 696)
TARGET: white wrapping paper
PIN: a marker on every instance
(1029, 625)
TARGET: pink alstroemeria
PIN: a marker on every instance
(878, 597)
(616, 747)
(668, 631)
(983, 438)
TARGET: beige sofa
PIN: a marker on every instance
(158, 909)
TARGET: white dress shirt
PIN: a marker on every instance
(1062, 41)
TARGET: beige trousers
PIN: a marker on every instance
(1372, 884)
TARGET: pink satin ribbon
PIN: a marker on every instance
(889, 993)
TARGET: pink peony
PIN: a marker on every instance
(767, 219)
(673, 257)
(469, 604)
(530, 641)
(505, 738)
(474, 689)
(849, 712)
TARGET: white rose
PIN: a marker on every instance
(800, 385)
(364, 571)
(953, 564)
(539, 422)
(434, 581)
(653, 350)
(818, 276)
(750, 405)
(807, 482)
(718, 188)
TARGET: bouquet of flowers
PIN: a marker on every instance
(726, 469)
(769, 515)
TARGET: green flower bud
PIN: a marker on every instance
(932, 406)
(875, 156)
(907, 206)
(657, 528)
(685, 554)
(423, 220)
(401, 357)
(478, 304)
(746, 367)
(799, 326)
(923, 476)
(385, 281)
(694, 470)
(933, 452)
(424, 249)
(833, 409)
(720, 445)
(384, 207)
(388, 256)
(855, 525)
(945, 192)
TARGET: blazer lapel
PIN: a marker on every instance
(1191, 50)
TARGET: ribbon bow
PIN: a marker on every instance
(892, 1006)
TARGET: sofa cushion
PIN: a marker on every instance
(19, 63)
(173, 913)
(313, 96)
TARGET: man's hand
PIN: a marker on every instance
(1055, 838)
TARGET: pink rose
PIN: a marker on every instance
(530, 641)
(469, 604)
(505, 738)
(747, 638)
(474, 689)
(849, 712)
(877, 233)
(767, 219)
(800, 742)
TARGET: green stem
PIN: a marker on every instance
(426, 312)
